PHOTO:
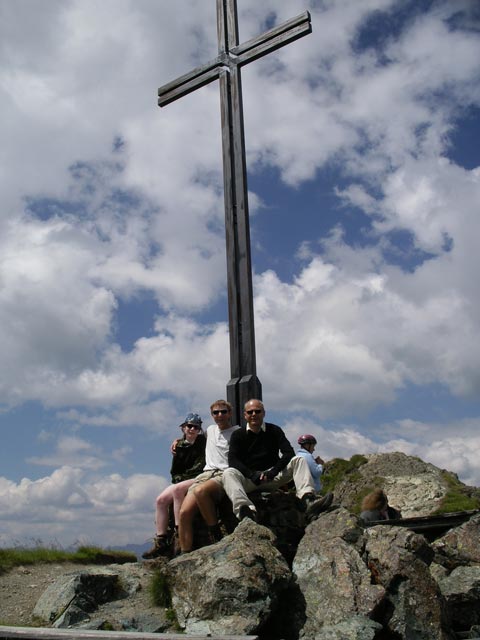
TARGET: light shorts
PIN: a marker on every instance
(205, 476)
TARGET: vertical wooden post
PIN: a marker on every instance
(244, 383)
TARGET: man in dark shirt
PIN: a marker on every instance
(261, 457)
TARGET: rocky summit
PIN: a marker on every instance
(327, 579)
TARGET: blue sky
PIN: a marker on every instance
(364, 179)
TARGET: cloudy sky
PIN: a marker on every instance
(364, 177)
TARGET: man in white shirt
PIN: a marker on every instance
(207, 491)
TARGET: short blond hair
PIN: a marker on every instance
(222, 403)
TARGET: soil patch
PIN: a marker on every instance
(21, 587)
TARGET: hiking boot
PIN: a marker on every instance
(247, 512)
(314, 506)
(307, 500)
(320, 505)
(161, 547)
(214, 534)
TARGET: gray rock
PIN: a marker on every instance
(232, 587)
(72, 616)
(461, 590)
(83, 590)
(356, 628)
(348, 575)
(95, 625)
(147, 623)
(399, 560)
(331, 574)
(141, 622)
(438, 571)
(459, 546)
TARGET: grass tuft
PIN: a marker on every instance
(458, 496)
(159, 590)
(96, 555)
(338, 469)
(19, 556)
(161, 597)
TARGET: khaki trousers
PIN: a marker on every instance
(237, 486)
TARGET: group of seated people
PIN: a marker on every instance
(234, 461)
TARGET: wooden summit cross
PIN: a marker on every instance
(244, 383)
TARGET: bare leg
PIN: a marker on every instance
(185, 523)
(207, 495)
(179, 492)
(163, 501)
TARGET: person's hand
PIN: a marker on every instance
(256, 477)
(173, 447)
(268, 475)
(318, 460)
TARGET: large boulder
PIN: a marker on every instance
(232, 587)
(459, 546)
(461, 590)
(457, 571)
(74, 595)
(109, 597)
(350, 577)
(332, 575)
(412, 606)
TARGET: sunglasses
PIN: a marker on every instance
(192, 426)
(216, 412)
(251, 412)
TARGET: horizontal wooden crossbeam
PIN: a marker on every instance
(429, 525)
(273, 39)
(239, 55)
(187, 83)
(41, 633)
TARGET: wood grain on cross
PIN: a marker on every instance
(244, 383)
